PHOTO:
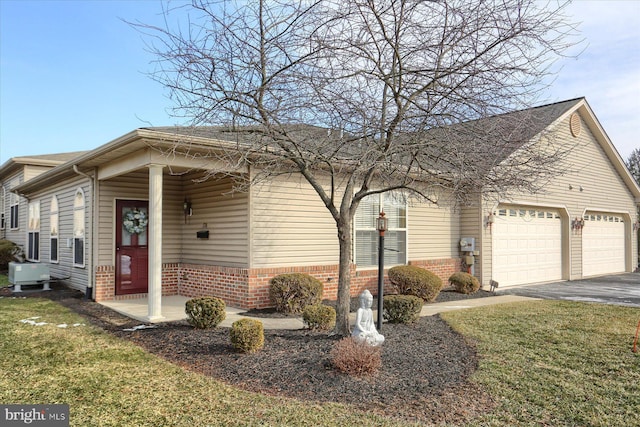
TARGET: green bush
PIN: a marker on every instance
(317, 316)
(9, 251)
(464, 282)
(247, 335)
(356, 357)
(401, 308)
(292, 292)
(412, 280)
(205, 312)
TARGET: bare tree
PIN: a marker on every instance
(362, 97)
(633, 164)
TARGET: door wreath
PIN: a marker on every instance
(135, 221)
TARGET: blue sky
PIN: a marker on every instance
(72, 73)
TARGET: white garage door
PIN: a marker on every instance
(602, 244)
(527, 246)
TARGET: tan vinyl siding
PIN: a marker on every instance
(78, 277)
(472, 224)
(31, 171)
(134, 186)
(433, 232)
(226, 217)
(291, 226)
(172, 218)
(602, 190)
(485, 246)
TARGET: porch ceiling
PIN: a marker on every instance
(176, 163)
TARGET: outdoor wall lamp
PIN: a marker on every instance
(636, 225)
(577, 224)
(381, 226)
(186, 208)
(491, 218)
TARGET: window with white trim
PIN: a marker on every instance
(53, 230)
(33, 231)
(366, 234)
(78, 228)
(14, 206)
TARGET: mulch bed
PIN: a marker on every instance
(423, 378)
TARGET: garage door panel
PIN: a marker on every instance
(527, 246)
(603, 245)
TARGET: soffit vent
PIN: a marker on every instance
(575, 125)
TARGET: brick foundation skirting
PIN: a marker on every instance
(249, 288)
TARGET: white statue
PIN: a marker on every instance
(365, 329)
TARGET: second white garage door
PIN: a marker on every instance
(527, 246)
(603, 244)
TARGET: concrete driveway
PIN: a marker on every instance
(620, 289)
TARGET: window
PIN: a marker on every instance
(53, 230)
(14, 203)
(395, 239)
(33, 233)
(78, 228)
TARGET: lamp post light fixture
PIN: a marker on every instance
(381, 226)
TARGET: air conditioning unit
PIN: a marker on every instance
(28, 274)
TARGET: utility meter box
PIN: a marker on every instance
(468, 244)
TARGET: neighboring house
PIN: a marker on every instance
(127, 220)
(20, 219)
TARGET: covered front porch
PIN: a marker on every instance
(190, 218)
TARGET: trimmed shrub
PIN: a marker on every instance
(464, 282)
(9, 251)
(401, 308)
(205, 312)
(412, 280)
(292, 292)
(247, 335)
(317, 316)
(354, 357)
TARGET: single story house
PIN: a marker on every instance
(126, 220)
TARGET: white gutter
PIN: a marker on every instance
(4, 211)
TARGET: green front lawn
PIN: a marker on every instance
(556, 363)
(544, 363)
(109, 382)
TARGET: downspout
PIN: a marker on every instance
(89, 293)
(4, 211)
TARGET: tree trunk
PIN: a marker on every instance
(344, 279)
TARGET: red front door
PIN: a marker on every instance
(132, 260)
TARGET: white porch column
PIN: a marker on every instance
(154, 234)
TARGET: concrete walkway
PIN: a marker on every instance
(173, 310)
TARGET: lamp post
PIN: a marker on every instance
(381, 225)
